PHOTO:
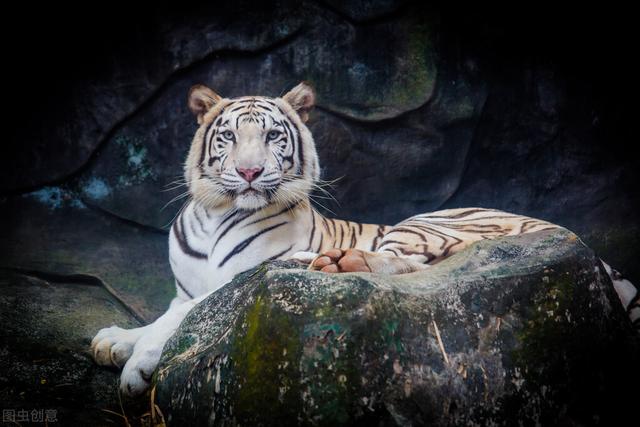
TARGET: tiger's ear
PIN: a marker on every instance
(302, 98)
(201, 99)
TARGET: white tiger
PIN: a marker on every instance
(250, 169)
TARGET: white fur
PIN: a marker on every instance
(304, 256)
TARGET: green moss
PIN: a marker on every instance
(309, 367)
(330, 377)
(541, 356)
(183, 344)
(389, 335)
(264, 356)
(420, 71)
(405, 78)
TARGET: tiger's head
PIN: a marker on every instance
(252, 151)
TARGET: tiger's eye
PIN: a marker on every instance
(227, 134)
(273, 134)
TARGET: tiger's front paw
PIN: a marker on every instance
(339, 261)
(113, 346)
(137, 373)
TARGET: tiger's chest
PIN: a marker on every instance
(207, 249)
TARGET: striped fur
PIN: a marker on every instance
(233, 223)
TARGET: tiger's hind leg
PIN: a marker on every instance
(406, 247)
(355, 260)
(416, 242)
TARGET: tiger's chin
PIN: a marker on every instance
(251, 199)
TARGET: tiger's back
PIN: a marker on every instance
(430, 236)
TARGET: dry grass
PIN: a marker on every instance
(152, 418)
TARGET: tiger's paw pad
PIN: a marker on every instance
(339, 261)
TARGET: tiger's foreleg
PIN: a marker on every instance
(113, 346)
(140, 349)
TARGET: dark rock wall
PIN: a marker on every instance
(418, 108)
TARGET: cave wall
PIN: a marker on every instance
(419, 108)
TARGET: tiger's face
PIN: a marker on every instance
(253, 151)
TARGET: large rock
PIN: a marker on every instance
(524, 329)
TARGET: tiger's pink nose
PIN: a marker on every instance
(249, 174)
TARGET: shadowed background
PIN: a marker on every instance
(418, 109)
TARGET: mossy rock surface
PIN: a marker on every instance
(523, 328)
